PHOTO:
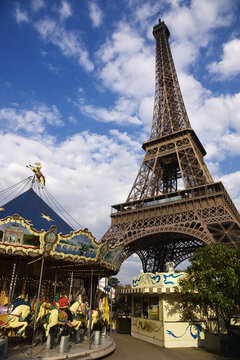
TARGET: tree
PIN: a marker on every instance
(212, 282)
(113, 282)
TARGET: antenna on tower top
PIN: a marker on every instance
(159, 19)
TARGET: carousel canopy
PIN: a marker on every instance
(34, 225)
(31, 207)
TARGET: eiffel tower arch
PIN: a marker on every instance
(174, 206)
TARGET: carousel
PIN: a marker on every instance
(50, 304)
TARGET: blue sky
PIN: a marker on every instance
(77, 89)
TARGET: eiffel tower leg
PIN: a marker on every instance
(155, 257)
(151, 263)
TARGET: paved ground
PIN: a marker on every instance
(130, 348)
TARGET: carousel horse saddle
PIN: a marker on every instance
(63, 316)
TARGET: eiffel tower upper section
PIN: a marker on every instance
(169, 113)
(173, 151)
(174, 206)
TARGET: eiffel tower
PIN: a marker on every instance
(174, 206)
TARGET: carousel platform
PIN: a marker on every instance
(77, 351)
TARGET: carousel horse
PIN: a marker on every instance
(82, 310)
(96, 316)
(16, 319)
(43, 309)
(104, 308)
(4, 311)
(59, 317)
(3, 296)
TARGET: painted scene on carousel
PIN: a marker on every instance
(18, 235)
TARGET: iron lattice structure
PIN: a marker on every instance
(174, 206)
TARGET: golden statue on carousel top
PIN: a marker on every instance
(37, 171)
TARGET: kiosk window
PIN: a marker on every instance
(153, 308)
(145, 308)
(138, 307)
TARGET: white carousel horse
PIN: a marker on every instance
(43, 310)
(57, 316)
(16, 319)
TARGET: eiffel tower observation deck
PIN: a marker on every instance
(174, 206)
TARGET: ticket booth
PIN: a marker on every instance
(158, 315)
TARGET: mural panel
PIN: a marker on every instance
(80, 244)
(16, 234)
(114, 256)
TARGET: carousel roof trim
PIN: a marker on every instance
(68, 252)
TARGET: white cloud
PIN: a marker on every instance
(184, 54)
(144, 11)
(43, 53)
(145, 114)
(37, 5)
(213, 13)
(20, 15)
(67, 41)
(218, 125)
(122, 113)
(193, 26)
(85, 173)
(65, 10)
(31, 121)
(215, 119)
(124, 138)
(127, 63)
(72, 119)
(52, 68)
(229, 65)
(231, 182)
(130, 268)
(200, 18)
(95, 13)
(123, 42)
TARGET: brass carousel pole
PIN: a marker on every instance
(11, 286)
(55, 284)
(14, 285)
(110, 292)
(36, 312)
(71, 287)
(90, 313)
